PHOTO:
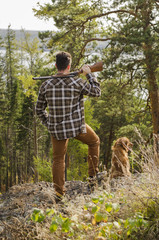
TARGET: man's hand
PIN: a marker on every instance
(86, 69)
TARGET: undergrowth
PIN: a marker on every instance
(126, 208)
(129, 210)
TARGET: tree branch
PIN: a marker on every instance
(111, 12)
(157, 4)
(97, 39)
(87, 41)
(98, 16)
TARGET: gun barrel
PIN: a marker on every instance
(42, 78)
(61, 76)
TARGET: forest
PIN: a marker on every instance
(124, 34)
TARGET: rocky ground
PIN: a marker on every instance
(17, 205)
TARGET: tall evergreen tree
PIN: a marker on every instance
(29, 131)
(2, 110)
(11, 112)
(130, 31)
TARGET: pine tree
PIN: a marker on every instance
(129, 30)
(29, 125)
(11, 111)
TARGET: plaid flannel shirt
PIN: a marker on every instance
(64, 98)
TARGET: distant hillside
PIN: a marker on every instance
(34, 34)
(19, 33)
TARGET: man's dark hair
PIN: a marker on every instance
(63, 59)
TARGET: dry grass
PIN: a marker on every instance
(126, 208)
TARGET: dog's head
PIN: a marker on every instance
(123, 142)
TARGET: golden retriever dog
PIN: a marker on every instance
(120, 165)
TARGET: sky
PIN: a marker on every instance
(20, 15)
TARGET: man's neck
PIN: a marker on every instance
(63, 72)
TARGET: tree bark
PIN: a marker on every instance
(35, 141)
(108, 154)
(154, 97)
(151, 63)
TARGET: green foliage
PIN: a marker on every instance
(57, 220)
(78, 166)
(105, 221)
(37, 215)
(152, 210)
(133, 225)
(118, 111)
(43, 168)
(73, 39)
(89, 114)
(128, 35)
(113, 226)
(128, 31)
(79, 171)
(29, 86)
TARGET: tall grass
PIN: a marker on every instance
(125, 208)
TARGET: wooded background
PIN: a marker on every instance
(125, 36)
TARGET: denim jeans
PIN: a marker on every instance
(59, 150)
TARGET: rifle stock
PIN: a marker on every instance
(97, 67)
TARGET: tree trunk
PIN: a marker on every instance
(154, 99)
(35, 132)
(7, 157)
(35, 142)
(14, 165)
(108, 154)
(151, 63)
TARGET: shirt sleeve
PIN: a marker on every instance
(91, 87)
(41, 107)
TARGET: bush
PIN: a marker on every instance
(43, 168)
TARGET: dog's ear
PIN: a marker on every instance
(127, 141)
(124, 141)
(119, 142)
(128, 144)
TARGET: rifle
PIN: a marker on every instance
(97, 67)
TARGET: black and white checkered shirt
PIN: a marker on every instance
(64, 98)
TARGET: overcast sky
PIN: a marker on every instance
(19, 14)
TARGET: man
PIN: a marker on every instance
(63, 94)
